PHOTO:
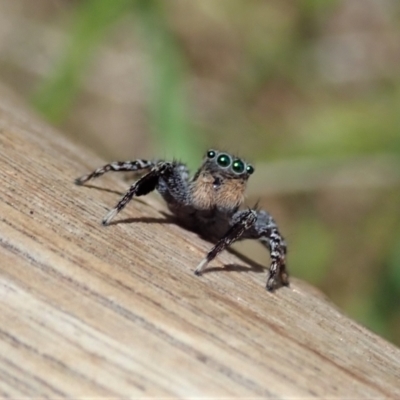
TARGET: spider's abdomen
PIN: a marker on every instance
(210, 191)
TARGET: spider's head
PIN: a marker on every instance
(220, 181)
(227, 165)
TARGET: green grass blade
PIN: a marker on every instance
(92, 21)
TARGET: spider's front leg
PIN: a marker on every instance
(238, 228)
(143, 186)
(115, 166)
(266, 230)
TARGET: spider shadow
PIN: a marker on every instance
(251, 266)
(170, 219)
(103, 189)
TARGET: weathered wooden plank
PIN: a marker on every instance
(92, 311)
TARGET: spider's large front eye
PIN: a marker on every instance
(249, 169)
(210, 153)
(238, 166)
(224, 160)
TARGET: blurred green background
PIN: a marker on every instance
(307, 90)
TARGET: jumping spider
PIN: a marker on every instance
(207, 203)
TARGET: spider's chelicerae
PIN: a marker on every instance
(207, 203)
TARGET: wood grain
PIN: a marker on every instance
(116, 311)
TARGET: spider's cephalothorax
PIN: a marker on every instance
(207, 203)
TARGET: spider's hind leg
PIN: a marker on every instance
(116, 166)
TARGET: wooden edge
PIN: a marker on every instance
(117, 311)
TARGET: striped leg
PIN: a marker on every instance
(266, 230)
(236, 232)
(278, 274)
(116, 166)
(143, 186)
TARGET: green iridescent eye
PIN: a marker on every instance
(238, 166)
(249, 169)
(211, 154)
(224, 160)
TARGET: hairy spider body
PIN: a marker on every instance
(207, 203)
